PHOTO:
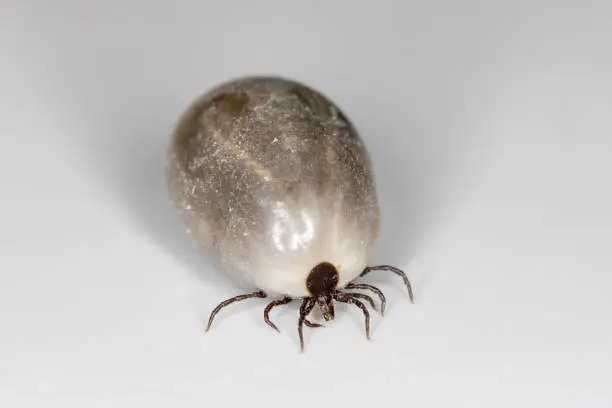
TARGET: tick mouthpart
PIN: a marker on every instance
(326, 306)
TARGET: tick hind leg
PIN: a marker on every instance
(393, 269)
(256, 294)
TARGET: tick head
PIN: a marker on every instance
(321, 282)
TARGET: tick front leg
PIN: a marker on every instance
(311, 324)
(257, 294)
(307, 305)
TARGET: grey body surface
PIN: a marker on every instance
(274, 178)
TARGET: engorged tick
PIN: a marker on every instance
(273, 177)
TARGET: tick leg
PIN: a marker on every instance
(362, 296)
(257, 294)
(365, 286)
(311, 324)
(306, 307)
(396, 271)
(306, 321)
(349, 298)
(272, 304)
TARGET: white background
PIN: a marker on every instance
(490, 128)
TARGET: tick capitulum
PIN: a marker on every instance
(322, 284)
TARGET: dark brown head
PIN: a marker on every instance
(321, 283)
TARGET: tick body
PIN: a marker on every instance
(274, 178)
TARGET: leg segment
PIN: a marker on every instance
(348, 298)
(311, 324)
(362, 296)
(271, 305)
(396, 271)
(365, 286)
(307, 305)
(257, 294)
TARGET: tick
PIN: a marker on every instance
(271, 176)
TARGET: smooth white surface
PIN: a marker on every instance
(490, 127)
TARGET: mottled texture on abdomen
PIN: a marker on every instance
(272, 175)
